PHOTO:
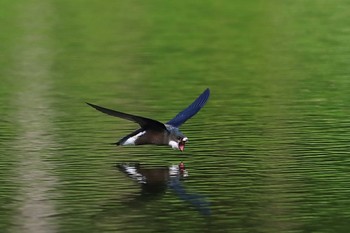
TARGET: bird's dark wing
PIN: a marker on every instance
(142, 121)
(191, 110)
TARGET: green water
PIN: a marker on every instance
(269, 152)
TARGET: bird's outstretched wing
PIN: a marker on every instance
(142, 121)
(191, 110)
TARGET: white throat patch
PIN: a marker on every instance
(173, 144)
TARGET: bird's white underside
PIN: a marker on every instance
(131, 140)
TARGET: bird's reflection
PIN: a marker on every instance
(155, 181)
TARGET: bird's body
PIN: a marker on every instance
(142, 136)
(155, 132)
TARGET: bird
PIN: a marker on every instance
(154, 132)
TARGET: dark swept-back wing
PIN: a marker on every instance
(191, 110)
(142, 121)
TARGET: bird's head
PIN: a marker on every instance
(177, 139)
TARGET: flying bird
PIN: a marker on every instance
(154, 132)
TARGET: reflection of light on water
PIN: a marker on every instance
(35, 182)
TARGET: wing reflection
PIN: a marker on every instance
(155, 181)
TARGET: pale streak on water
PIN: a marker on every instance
(33, 60)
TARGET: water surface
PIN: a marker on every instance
(268, 153)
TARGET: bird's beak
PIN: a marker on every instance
(182, 144)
